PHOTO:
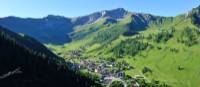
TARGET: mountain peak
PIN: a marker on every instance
(54, 16)
(198, 7)
(119, 10)
(116, 14)
(194, 15)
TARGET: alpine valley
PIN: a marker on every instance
(114, 48)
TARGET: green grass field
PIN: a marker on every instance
(172, 52)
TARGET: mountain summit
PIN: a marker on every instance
(116, 14)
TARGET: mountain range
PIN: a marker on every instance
(56, 29)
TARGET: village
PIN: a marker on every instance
(109, 70)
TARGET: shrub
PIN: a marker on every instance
(146, 70)
(189, 36)
(163, 36)
(129, 47)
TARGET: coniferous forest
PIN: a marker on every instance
(24, 62)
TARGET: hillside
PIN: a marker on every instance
(161, 49)
(50, 29)
(56, 29)
(24, 62)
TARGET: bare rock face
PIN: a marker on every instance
(115, 14)
(195, 16)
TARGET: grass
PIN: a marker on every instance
(164, 62)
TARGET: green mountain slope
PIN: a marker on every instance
(160, 48)
(50, 29)
(24, 62)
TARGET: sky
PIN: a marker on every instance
(74, 8)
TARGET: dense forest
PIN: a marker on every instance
(24, 62)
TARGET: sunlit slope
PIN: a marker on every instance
(168, 46)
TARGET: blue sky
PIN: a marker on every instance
(73, 8)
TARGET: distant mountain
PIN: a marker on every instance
(56, 29)
(24, 62)
(195, 15)
(112, 27)
(50, 29)
(116, 14)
